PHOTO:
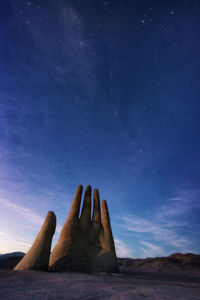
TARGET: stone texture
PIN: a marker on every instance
(37, 258)
(85, 244)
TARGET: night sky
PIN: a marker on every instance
(103, 93)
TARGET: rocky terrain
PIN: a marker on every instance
(164, 278)
(174, 263)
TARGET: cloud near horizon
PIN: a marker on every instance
(164, 231)
(151, 250)
(122, 249)
(10, 243)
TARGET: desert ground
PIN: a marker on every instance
(152, 279)
(43, 285)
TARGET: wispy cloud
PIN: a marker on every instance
(151, 250)
(29, 222)
(24, 212)
(122, 249)
(167, 228)
(184, 202)
(156, 230)
(9, 244)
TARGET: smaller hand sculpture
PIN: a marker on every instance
(85, 244)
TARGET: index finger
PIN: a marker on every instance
(75, 208)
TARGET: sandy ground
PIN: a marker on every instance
(42, 285)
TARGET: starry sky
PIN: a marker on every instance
(103, 93)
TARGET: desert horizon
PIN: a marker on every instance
(157, 279)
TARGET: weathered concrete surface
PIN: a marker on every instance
(37, 258)
(86, 244)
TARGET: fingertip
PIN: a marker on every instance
(104, 203)
(50, 222)
(80, 187)
(79, 191)
(88, 188)
(75, 207)
(88, 192)
(51, 215)
(96, 192)
(105, 214)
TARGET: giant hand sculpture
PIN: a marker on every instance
(85, 245)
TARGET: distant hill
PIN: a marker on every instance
(12, 254)
(174, 262)
(10, 260)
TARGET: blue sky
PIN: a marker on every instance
(107, 94)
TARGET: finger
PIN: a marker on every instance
(96, 217)
(105, 216)
(50, 223)
(86, 209)
(75, 208)
(37, 258)
(108, 237)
